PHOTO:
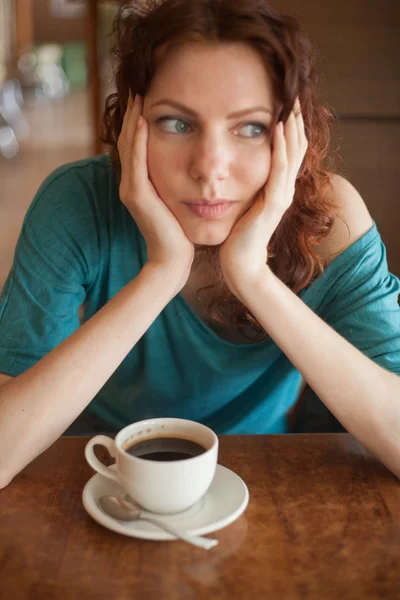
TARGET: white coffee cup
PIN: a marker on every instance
(164, 487)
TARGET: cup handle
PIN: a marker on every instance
(94, 462)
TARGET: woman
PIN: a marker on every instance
(218, 260)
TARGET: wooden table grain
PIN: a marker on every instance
(323, 522)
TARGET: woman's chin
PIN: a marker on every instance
(207, 236)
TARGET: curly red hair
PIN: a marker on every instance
(146, 29)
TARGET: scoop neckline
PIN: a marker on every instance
(208, 330)
(362, 242)
(355, 248)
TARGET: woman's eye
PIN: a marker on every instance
(254, 130)
(173, 125)
(176, 125)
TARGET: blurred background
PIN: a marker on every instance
(55, 73)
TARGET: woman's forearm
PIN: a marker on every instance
(363, 396)
(37, 406)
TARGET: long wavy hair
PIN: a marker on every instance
(145, 29)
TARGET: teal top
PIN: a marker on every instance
(79, 245)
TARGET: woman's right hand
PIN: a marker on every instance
(167, 244)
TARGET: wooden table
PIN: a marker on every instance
(323, 522)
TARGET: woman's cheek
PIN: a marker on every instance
(157, 166)
(258, 169)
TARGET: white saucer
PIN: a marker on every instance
(225, 500)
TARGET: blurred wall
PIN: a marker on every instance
(49, 28)
(359, 48)
(5, 37)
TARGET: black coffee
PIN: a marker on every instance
(165, 448)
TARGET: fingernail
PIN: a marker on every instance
(140, 122)
(280, 127)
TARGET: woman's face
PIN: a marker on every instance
(198, 149)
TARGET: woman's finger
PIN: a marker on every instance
(277, 177)
(139, 153)
(292, 145)
(124, 127)
(303, 142)
(136, 110)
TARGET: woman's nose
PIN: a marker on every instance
(210, 159)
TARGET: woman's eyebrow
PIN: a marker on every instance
(189, 111)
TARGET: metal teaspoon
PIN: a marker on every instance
(124, 510)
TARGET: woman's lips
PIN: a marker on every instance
(210, 211)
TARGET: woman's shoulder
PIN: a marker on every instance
(94, 170)
(352, 222)
(74, 188)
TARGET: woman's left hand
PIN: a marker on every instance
(243, 255)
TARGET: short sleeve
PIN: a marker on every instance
(361, 300)
(54, 266)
